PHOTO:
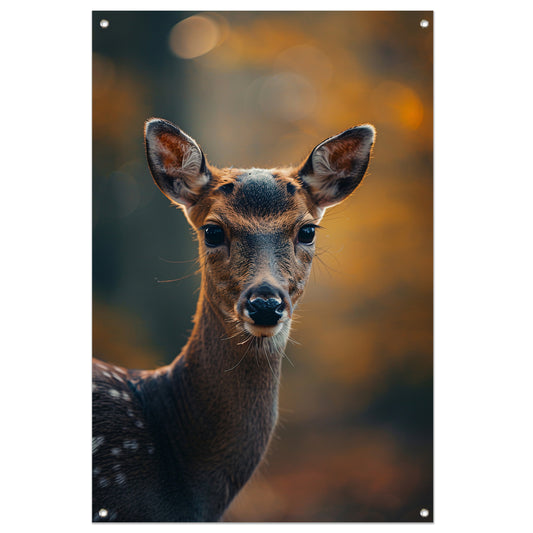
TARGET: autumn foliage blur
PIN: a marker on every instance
(261, 89)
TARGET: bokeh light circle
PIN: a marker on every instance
(194, 36)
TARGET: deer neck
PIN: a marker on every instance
(233, 381)
(220, 408)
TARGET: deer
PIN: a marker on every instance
(179, 442)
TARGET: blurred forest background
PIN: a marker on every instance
(355, 439)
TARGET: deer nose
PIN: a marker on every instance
(265, 305)
(265, 312)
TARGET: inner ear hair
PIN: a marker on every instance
(342, 154)
(337, 165)
(176, 161)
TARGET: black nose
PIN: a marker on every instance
(265, 312)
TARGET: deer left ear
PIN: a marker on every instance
(337, 165)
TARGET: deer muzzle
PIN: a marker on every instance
(265, 312)
(265, 306)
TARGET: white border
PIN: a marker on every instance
(483, 265)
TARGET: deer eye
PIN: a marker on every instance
(306, 235)
(214, 235)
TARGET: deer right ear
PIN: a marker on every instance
(337, 165)
(176, 162)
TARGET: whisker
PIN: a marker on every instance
(246, 351)
(177, 279)
(322, 262)
(195, 260)
(245, 340)
(231, 337)
(240, 361)
(288, 359)
(292, 341)
(268, 360)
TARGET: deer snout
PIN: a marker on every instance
(265, 305)
(265, 312)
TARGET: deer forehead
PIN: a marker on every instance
(259, 200)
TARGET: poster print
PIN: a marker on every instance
(316, 402)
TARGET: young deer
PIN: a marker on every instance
(177, 443)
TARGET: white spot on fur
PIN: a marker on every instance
(120, 478)
(97, 442)
(103, 482)
(139, 424)
(126, 396)
(113, 393)
(130, 445)
(116, 451)
(102, 513)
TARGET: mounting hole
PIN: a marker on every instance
(424, 513)
(424, 23)
(104, 23)
(102, 513)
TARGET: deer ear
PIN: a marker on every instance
(336, 166)
(176, 162)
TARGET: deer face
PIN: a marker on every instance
(256, 228)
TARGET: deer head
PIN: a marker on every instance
(255, 227)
